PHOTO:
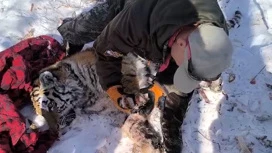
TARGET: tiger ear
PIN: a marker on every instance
(47, 80)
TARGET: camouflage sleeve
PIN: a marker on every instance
(88, 26)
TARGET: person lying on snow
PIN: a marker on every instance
(188, 39)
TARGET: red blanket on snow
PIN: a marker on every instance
(19, 64)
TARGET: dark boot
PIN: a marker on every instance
(73, 49)
(173, 113)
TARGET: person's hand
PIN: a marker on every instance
(150, 98)
(124, 102)
(142, 102)
(156, 91)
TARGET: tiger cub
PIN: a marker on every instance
(66, 87)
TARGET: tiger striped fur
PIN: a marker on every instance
(65, 87)
(69, 86)
(138, 73)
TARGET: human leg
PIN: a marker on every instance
(173, 110)
(87, 26)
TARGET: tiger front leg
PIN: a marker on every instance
(141, 132)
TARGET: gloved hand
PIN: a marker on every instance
(156, 92)
(142, 102)
(155, 98)
(122, 101)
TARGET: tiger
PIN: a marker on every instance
(66, 87)
(71, 86)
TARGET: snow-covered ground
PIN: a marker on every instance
(240, 117)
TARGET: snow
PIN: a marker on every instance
(225, 125)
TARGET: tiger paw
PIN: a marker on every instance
(141, 132)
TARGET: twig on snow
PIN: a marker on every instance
(225, 94)
(203, 95)
(209, 139)
(32, 7)
(253, 81)
(268, 85)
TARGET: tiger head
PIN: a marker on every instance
(64, 87)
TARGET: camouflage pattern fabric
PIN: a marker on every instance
(19, 66)
(87, 26)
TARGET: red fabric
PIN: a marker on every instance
(165, 64)
(19, 65)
